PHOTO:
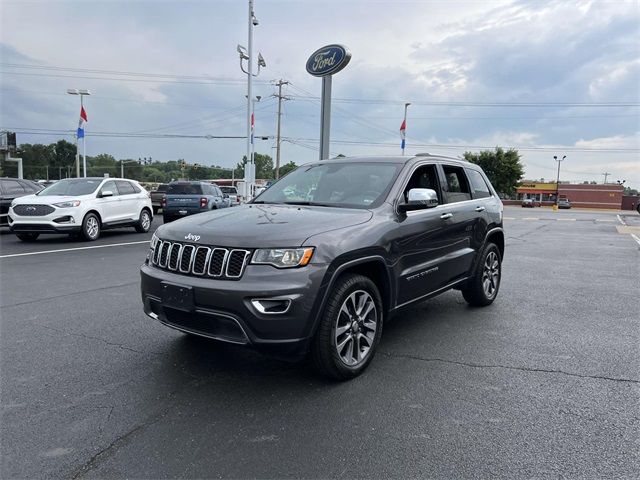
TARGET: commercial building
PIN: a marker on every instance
(580, 194)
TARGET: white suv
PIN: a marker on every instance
(81, 206)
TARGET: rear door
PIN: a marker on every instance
(460, 217)
(483, 204)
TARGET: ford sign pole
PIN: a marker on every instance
(324, 62)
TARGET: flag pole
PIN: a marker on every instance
(84, 143)
(404, 124)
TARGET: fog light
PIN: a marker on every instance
(271, 306)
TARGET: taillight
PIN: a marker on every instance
(163, 202)
(203, 202)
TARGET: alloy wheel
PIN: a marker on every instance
(146, 221)
(355, 329)
(92, 227)
(491, 275)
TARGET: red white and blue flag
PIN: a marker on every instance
(403, 129)
(83, 120)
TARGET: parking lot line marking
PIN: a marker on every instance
(621, 220)
(566, 219)
(72, 249)
(635, 237)
(605, 220)
(530, 218)
(509, 218)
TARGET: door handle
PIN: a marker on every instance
(445, 216)
(480, 209)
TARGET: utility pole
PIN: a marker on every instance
(278, 142)
(606, 174)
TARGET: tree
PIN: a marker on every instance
(264, 165)
(284, 169)
(504, 169)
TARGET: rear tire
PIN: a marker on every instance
(144, 222)
(350, 328)
(28, 237)
(91, 227)
(482, 288)
(166, 219)
(155, 210)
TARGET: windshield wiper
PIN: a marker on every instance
(312, 204)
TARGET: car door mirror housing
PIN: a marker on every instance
(106, 193)
(419, 199)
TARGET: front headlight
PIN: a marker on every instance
(69, 204)
(283, 257)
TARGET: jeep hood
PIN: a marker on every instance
(262, 226)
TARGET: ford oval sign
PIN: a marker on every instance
(328, 60)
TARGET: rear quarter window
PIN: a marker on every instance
(478, 184)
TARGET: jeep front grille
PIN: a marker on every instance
(215, 262)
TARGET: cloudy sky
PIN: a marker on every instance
(548, 77)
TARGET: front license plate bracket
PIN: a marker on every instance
(177, 296)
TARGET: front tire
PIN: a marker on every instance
(28, 237)
(91, 227)
(350, 328)
(482, 288)
(144, 222)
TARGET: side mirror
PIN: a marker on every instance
(419, 199)
(106, 193)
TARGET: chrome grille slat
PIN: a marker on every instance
(200, 260)
(172, 262)
(214, 257)
(207, 252)
(236, 262)
(189, 258)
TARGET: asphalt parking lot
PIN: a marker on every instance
(543, 383)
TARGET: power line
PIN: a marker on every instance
(473, 103)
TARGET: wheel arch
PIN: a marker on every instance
(371, 266)
(496, 235)
(95, 212)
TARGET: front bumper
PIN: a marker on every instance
(59, 221)
(223, 309)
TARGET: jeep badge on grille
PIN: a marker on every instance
(191, 236)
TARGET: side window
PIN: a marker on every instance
(479, 186)
(11, 187)
(111, 187)
(218, 191)
(425, 176)
(136, 189)
(28, 187)
(124, 187)
(457, 185)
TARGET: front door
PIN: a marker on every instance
(420, 244)
(111, 208)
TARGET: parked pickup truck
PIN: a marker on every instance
(157, 195)
(188, 198)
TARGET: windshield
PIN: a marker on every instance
(71, 187)
(231, 190)
(348, 185)
(184, 189)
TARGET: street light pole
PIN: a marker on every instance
(247, 54)
(559, 160)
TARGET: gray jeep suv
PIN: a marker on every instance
(316, 263)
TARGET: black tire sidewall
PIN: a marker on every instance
(474, 293)
(325, 354)
(140, 228)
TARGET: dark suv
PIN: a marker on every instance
(318, 261)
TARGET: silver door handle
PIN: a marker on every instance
(444, 216)
(480, 209)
